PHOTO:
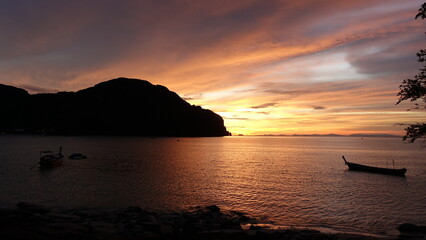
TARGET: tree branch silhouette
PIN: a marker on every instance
(415, 90)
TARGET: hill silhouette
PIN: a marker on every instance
(120, 106)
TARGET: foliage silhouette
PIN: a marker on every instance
(414, 90)
(120, 106)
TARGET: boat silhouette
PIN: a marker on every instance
(364, 168)
(49, 160)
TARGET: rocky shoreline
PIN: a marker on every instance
(31, 221)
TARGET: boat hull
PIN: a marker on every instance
(77, 156)
(50, 161)
(364, 168)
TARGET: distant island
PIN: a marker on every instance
(121, 106)
(360, 135)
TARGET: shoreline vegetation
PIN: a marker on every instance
(31, 221)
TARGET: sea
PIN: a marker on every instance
(297, 182)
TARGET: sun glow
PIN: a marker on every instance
(265, 68)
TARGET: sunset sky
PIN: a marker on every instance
(265, 66)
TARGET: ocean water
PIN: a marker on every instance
(291, 181)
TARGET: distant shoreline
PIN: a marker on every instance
(260, 135)
(324, 135)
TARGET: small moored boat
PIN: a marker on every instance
(76, 156)
(48, 159)
(365, 168)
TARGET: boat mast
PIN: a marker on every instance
(344, 159)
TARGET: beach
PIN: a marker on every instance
(31, 221)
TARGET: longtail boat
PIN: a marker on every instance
(77, 156)
(365, 168)
(49, 160)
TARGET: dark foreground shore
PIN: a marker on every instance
(31, 221)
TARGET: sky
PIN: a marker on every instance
(266, 66)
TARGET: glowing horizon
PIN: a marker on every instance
(275, 67)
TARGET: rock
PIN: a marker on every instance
(237, 213)
(151, 226)
(107, 217)
(189, 230)
(151, 218)
(310, 231)
(88, 213)
(213, 208)
(95, 225)
(245, 220)
(13, 219)
(134, 209)
(30, 221)
(64, 230)
(224, 234)
(42, 217)
(19, 233)
(103, 230)
(257, 227)
(63, 217)
(409, 227)
(8, 210)
(146, 235)
(34, 208)
(231, 223)
(262, 235)
(66, 226)
(169, 218)
(166, 230)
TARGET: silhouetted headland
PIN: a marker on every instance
(120, 106)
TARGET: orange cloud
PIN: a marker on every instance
(268, 67)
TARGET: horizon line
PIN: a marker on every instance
(321, 135)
